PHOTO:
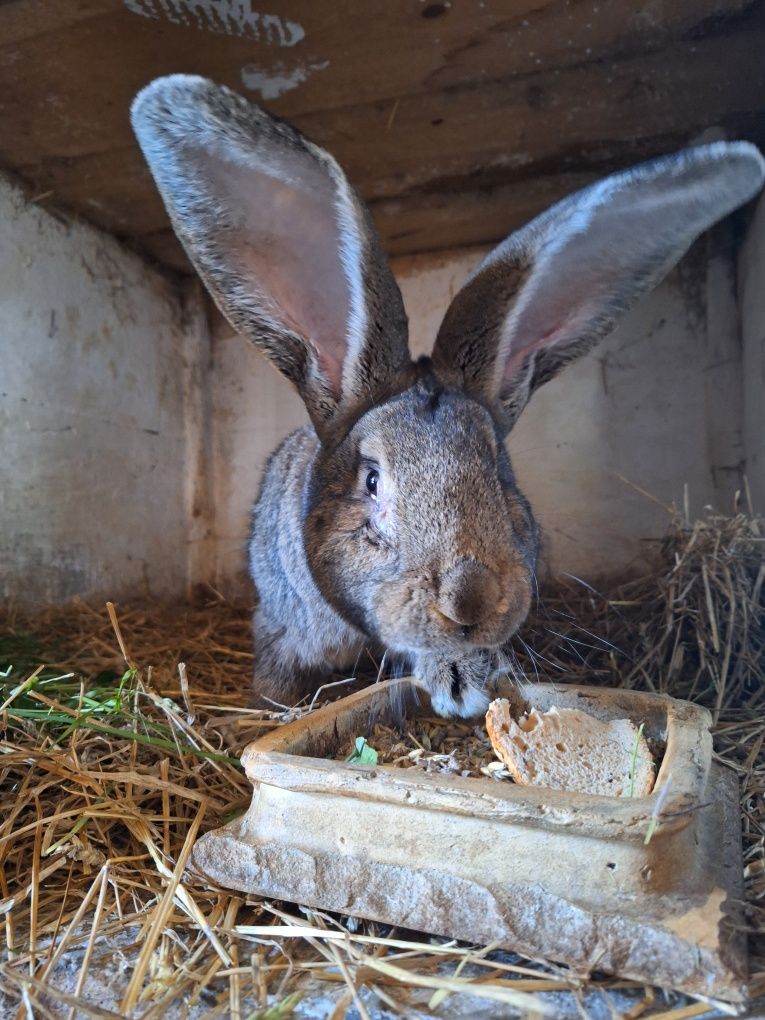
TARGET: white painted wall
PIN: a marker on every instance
(97, 404)
(752, 306)
(656, 407)
(132, 444)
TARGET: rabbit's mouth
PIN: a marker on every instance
(466, 634)
(432, 631)
(459, 638)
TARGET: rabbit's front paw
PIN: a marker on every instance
(457, 687)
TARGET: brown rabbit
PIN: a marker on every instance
(394, 519)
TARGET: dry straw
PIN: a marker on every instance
(121, 730)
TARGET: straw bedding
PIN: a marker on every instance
(120, 729)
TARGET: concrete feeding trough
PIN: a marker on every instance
(648, 888)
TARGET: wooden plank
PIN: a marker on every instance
(582, 120)
(423, 223)
(21, 20)
(65, 87)
(561, 120)
(456, 128)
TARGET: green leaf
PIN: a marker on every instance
(363, 753)
(279, 1010)
(633, 762)
(652, 822)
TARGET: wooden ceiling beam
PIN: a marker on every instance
(461, 141)
(65, 88)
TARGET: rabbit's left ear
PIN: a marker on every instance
(553, 289)
(284, 245)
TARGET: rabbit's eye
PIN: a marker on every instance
(372, 479)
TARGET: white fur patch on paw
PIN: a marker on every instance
(472, 703)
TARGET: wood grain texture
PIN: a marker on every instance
(455, 121)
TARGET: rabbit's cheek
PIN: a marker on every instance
(383, 519)
(402, 611)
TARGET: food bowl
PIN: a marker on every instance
(647, 887)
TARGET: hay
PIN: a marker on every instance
(123, 747)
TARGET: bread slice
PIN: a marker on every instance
(567, 749)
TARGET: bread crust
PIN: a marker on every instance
(568, 749)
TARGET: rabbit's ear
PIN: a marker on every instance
(282, 242)
(553, 289)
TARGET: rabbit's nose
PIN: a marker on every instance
(469, 593)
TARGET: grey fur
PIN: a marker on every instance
(436, 567)
(608, 244)
(199, 139)
(296, 629)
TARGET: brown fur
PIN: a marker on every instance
(437, 565)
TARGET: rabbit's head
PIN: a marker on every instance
(414, 527)
(417, 532)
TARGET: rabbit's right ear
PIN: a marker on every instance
(553, 289)
(283, 244)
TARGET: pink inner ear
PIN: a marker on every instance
(286, 242)
(519, 352)
(562, 299)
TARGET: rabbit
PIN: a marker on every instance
(394, 520)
